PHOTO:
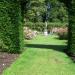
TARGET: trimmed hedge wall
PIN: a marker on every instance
(11, 25)
(40, 26)
(71, 39)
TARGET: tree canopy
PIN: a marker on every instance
(38, 9)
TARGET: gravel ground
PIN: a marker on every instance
(6, 60)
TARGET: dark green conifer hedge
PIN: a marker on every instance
(71, 40)
(11, 25)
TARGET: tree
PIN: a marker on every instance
(34, 14)
(58, 12)
(37, 11)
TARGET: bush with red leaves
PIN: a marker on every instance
(63, 33)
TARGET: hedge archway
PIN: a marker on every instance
(11, 14)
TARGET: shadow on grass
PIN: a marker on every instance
(54, 47)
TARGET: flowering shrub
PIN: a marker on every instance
(62, 33)
(29, 34)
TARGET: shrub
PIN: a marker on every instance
(29, 34)
(63, 33)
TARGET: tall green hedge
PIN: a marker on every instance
(10, 25)
(71, 40)
(71, 27)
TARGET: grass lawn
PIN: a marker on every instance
(43, 56)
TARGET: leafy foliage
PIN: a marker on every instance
(40, 26)
(38, 11)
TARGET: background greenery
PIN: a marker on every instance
(38, 9)
(40, 26)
